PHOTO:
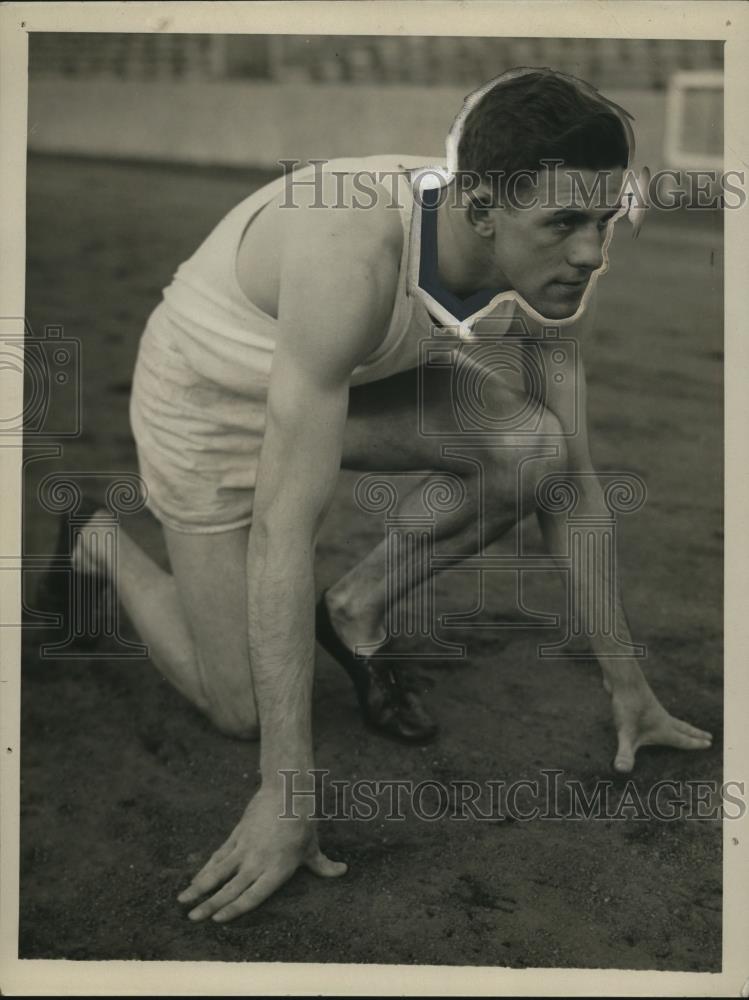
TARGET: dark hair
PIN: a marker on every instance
(540, 115)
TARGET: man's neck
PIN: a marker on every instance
(464, 260)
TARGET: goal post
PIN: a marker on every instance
(693, 138)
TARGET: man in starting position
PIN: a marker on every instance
(286, 348)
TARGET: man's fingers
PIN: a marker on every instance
(322, 865)
(652, 726)
(675, 733)
(682, 741)
(625, 754)
(688, 730)
(213, 874)
(624, 762)
(228, 894)
(223, 852)
(254, 896)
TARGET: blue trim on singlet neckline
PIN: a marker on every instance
(460, 308)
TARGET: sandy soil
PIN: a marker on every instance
(125, 788)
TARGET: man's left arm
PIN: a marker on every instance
(639, 717)
(567, 400)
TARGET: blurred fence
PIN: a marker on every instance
(425, 60)
(254, 99)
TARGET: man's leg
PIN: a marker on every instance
(382, 434)
(195, 621)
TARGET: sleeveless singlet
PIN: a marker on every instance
(229, 340)
(197, 407)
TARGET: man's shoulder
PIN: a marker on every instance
(343, 245)
(346, 220)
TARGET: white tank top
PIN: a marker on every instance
(226, 338)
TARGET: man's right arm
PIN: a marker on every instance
(333, 311)
(332, 314)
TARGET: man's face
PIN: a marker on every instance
(548, 252)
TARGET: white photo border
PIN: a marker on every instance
(511, 18)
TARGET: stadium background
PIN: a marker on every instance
(125, 789)
(252, 100)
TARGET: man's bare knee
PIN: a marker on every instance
(236, 723)
(228, 699)
(517, 461)
(233, 713)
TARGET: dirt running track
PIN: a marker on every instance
(125, 788)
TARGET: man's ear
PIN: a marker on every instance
(480, 215)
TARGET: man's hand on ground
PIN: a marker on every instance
(261, 854)
(641, 721)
